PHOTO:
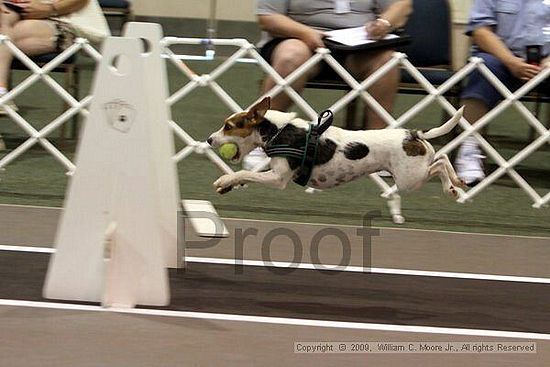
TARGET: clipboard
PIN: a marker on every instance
(401, 40)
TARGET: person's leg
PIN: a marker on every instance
(8, 19)
(474, 109)
(33, 37)
(384, 90)
(469, 164)
(287, 56)
(5, 18)
(478, 97)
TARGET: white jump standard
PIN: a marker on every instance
(118, 232)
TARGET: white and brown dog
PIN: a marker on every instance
(342, 155)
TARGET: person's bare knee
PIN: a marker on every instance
(289, 55)
(34, 37)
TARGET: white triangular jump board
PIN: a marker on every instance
(115, 196)
(204, 219)
(162, 137)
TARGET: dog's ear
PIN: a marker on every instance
(256, 113)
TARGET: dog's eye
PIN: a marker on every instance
(227, 127)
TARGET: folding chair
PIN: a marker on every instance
(117, 9)
(431, 49)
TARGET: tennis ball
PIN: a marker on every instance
(228, 150)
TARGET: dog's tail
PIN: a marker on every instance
(443, 129)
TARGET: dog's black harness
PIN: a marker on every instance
(304, 150)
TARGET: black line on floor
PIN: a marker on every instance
(326, 295)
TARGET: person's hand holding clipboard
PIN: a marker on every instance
(357, 39)
(378, 28)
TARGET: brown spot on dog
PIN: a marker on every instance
(413, 146)
(238, 125)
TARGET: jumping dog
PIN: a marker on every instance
(342, 155)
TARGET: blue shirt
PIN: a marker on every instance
(518, 23)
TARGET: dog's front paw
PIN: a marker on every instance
(224, 184)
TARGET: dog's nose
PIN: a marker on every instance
(209, 141)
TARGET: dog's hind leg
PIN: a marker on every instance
(451, 171)
(394, 204)
(439, 168)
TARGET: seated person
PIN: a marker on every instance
(43, 26)
(293, 29)
(501, 31)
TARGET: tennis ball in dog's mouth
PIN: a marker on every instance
(228, 150)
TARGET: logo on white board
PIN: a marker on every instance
(120, 115)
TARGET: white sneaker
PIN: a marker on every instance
(256, 160)
(469, 162)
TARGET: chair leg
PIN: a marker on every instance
(67, 85)
(538, 104)
(76, 94)
(547, 106)
(63, 129)
(351, 113)
(70, 84)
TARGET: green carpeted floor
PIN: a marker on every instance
(37, 179)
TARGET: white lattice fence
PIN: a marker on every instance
(43, 73)
(358, 88)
